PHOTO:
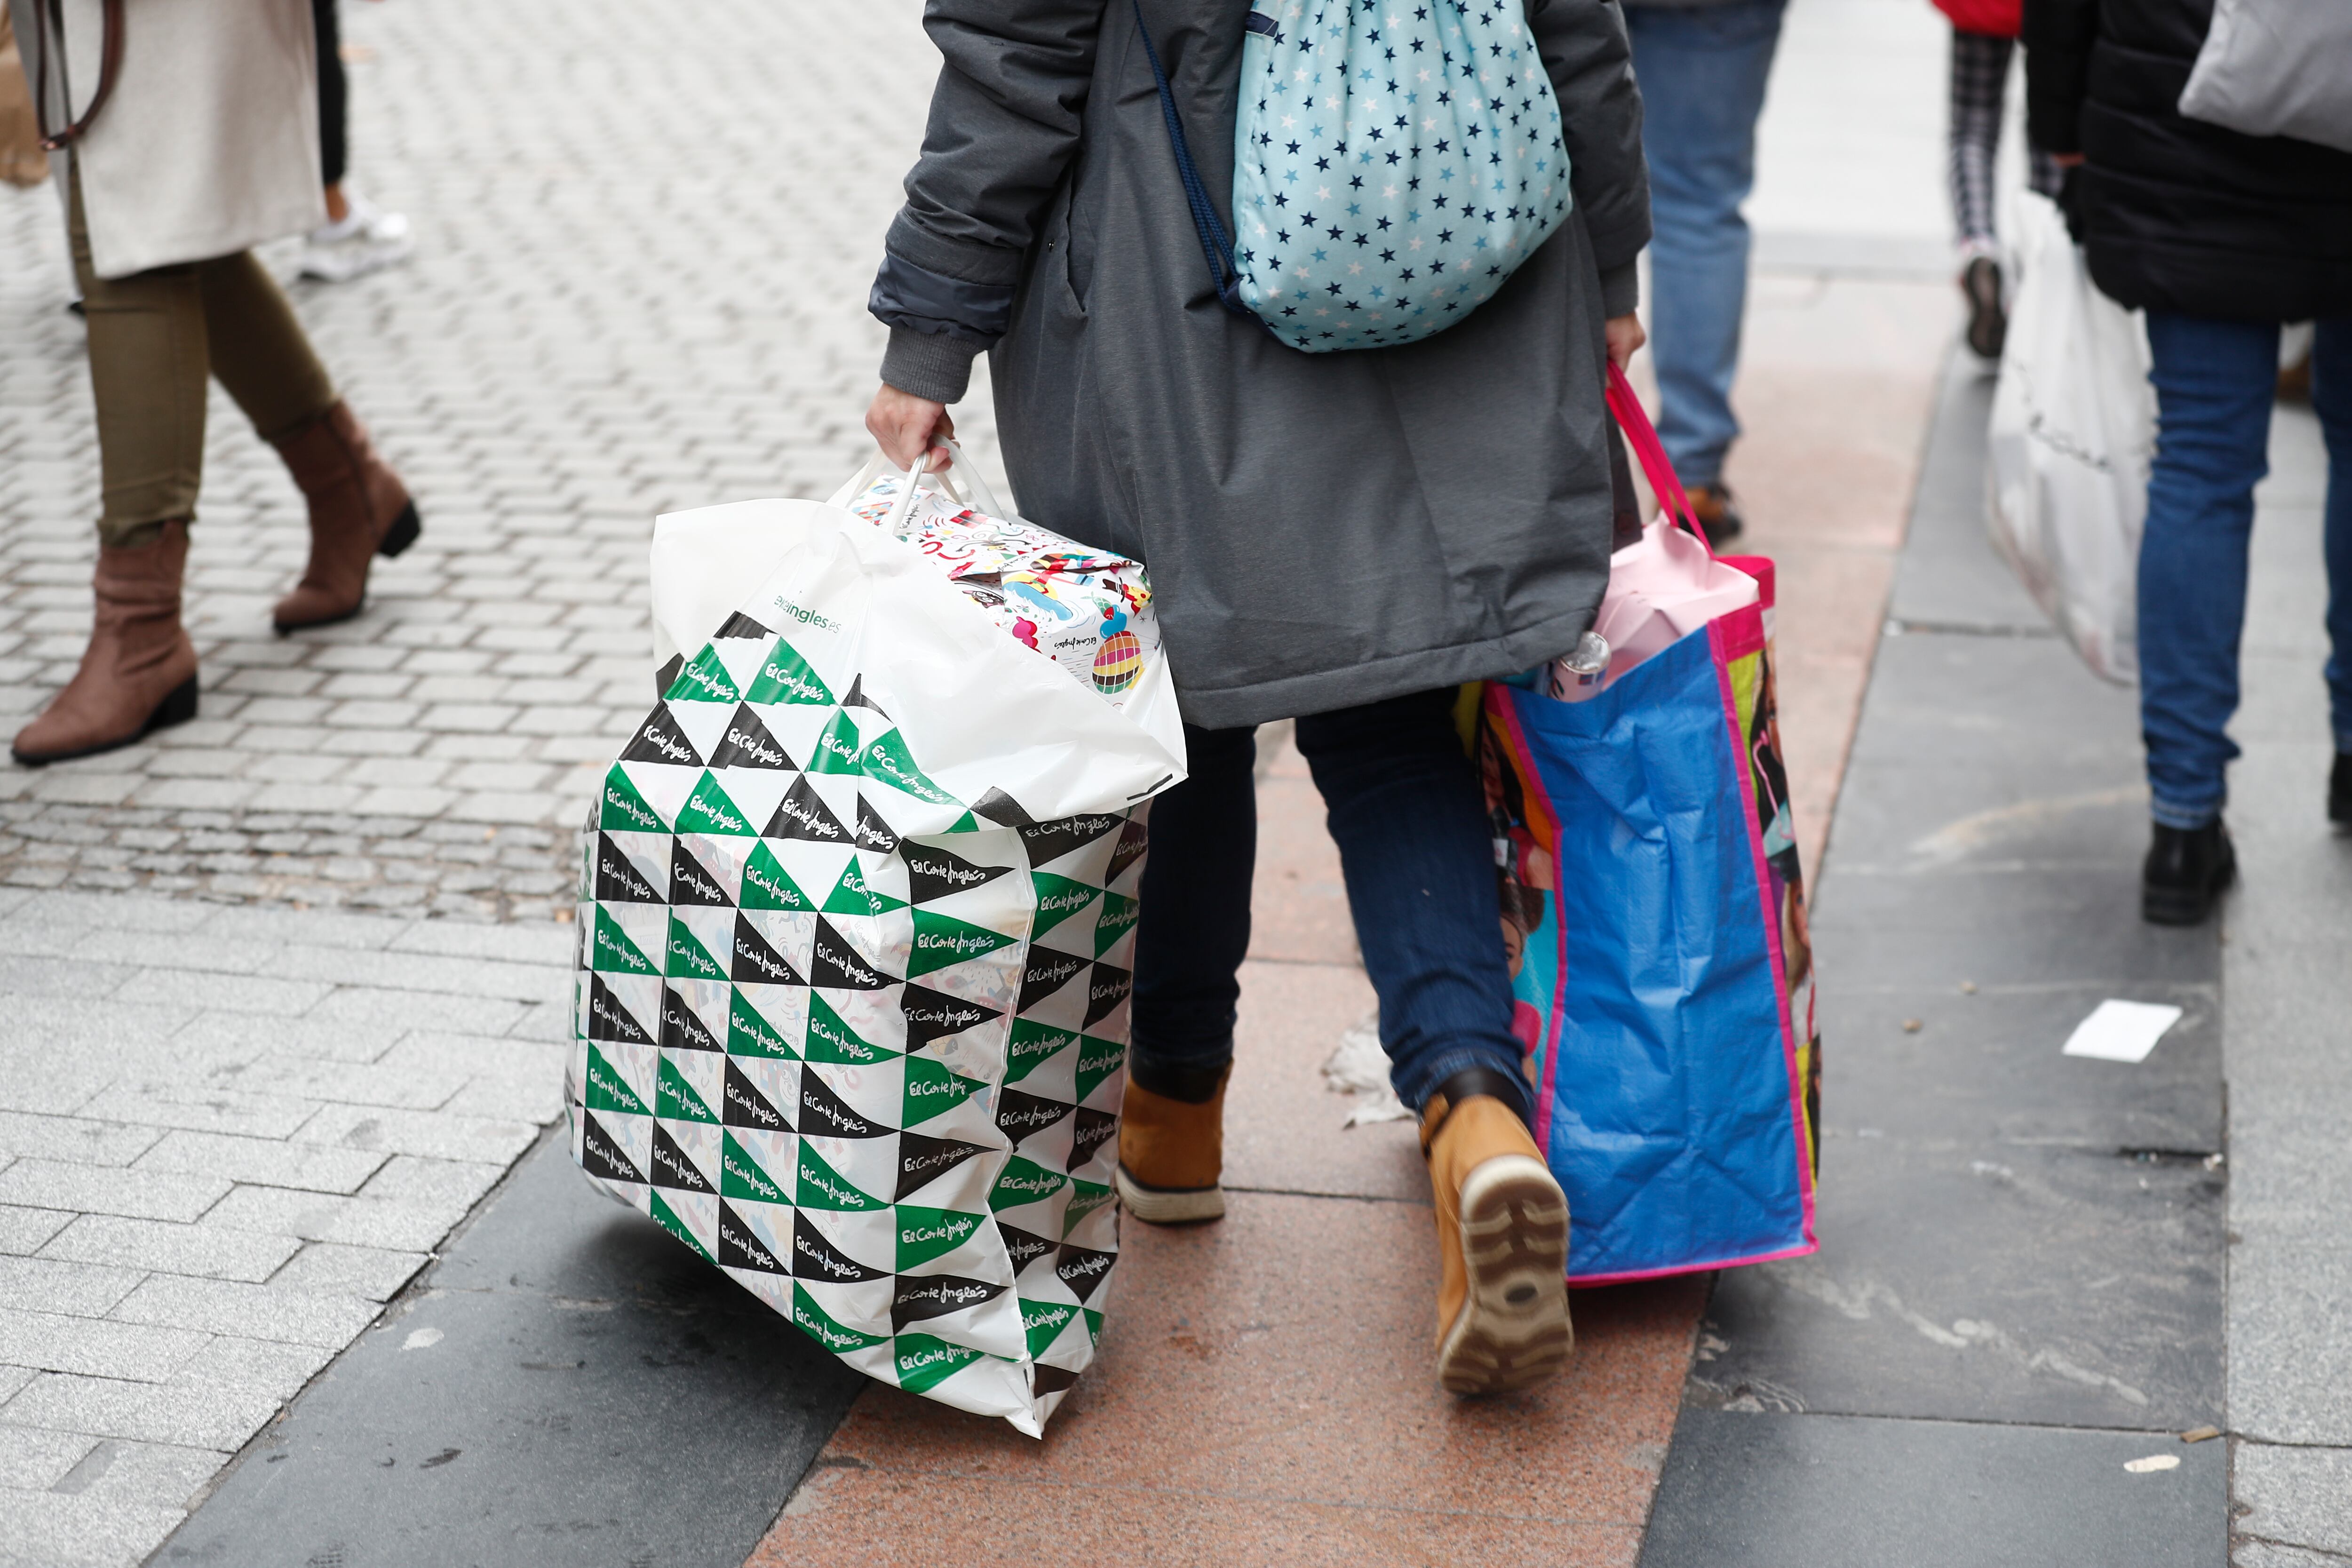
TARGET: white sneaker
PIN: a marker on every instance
(366, 240)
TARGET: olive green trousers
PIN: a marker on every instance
(154, 337)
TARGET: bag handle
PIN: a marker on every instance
(109, 63)
(1673, 501)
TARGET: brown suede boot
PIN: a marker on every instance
(139, 672)
(1170, 1155)
(1502, 1242)
(359, 510)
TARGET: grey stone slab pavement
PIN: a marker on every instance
(598, 325)
(212, 1179)
(567, 1385)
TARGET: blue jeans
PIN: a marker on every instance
(1404, 806)
(1702, 70)
(2214, 385)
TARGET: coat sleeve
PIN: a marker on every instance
(2058, 36)
(1003, 126)
(1584, 47)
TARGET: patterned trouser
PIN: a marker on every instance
(1979, 79)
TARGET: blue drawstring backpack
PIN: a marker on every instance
(1393, 162)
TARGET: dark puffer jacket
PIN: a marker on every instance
(2177, 215)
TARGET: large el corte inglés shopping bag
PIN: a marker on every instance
(1654, 915)
(856, 909)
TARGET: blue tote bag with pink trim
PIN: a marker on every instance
(1654, 911)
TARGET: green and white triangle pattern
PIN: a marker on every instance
(856, 1042)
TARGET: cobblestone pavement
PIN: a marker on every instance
(227, 1136)
(641, 267)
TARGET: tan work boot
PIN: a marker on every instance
(359, 510)
(1502, 1241)
(139, 672)
(1170, 1155)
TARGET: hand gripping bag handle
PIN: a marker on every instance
(1673, 501)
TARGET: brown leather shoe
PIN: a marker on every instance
(359, 510)
(139, 672)
(1718, 519)
(1502, 1241)
(1170, 1155)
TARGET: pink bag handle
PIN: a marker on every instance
(1657, 467)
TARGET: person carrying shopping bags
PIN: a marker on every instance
(190, 134)
(2220, 238)
(1340, 537)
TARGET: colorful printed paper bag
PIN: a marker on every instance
(1653, 912)
(856, 908)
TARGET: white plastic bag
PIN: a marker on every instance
(858, 911)
(2073, 429)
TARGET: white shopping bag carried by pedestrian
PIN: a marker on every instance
(2073, 428)
(858, 908)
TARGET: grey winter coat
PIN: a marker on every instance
(1322, 529)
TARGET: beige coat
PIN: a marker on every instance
(210, 142)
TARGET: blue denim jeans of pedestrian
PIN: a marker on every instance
(2215, 382)
(1403, 804)
(1702, 70)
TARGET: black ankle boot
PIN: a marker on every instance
(2339, 791)
(2185, 871)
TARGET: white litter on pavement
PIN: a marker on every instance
(2121, 1031)
(2153, 1462)
(1359, 1067)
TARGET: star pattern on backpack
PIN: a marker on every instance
(1394, 162)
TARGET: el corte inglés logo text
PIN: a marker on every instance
(965, 876)
(675, 1163)
(774, 890)
(1036, 1186)
(964, 946)
(610, 1014)
(699, 884)
(607, 943)
(1032, 1118)
(630, 808)
(847, 1045)
(707, 682)
(806, 617)
(621, 871)
(830, 1265)
(1093, 1263)
(847, 1197)
(1062, 903)
(760, 1034)
(827, 1334)
(951, 1230)
(838, 1118)
(959, 1017)
(807, 818)
(599, 1080)
(845, 962)
(760, 1257)
(699, 962)
(913, 1162)
(916, 1088)
(948, 1356)
(1107, 990)
(775, 971)
(949, 1293)
(1059, 970)
(1102, 1063)
(838, 746)
(762, 1114)
(603, 1151)
(750, 1178)
(791, 681)
(725, 819)
(669, 746)
(1041, 1047)
(768, 754)
(1046, 1316)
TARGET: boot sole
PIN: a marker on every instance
(2186, 906)
(1168, 1205)
(178, 707)
(1513, 1331)
(403, 533)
